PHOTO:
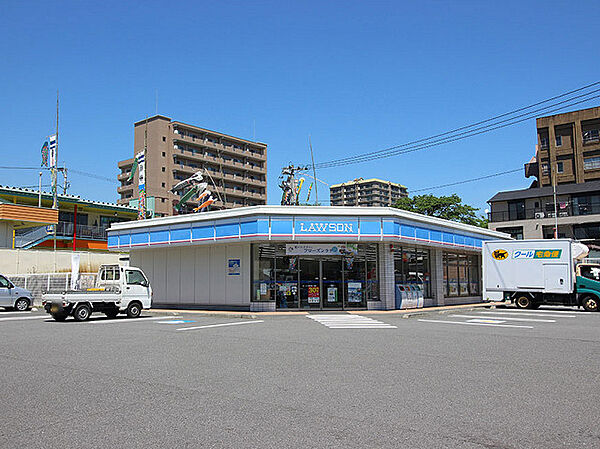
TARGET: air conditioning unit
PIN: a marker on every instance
(539, 215)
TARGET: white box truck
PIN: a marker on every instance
(534, 272)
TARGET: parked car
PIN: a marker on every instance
(12, 297)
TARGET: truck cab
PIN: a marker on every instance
(588, 286)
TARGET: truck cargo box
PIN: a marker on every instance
(544, 266)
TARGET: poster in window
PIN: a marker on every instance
(332, 294)
(233, 267)
(314, 295)
(355, 292)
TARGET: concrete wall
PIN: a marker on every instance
(24, 261)
(6, 235)
(196, 276)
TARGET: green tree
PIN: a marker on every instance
(446, 207)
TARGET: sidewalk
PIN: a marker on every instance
(404, 313)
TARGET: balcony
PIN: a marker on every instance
(123, 189)
(570, 210)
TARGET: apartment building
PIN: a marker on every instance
(568, 154)
(366, 192)
(234, 168)
(568, 147)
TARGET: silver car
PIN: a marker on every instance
(12, 297)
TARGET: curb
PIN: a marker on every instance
(405, 313)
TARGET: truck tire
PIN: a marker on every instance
(590, 303)
(523, 301)
(22, 304)
(59, 316)
(82, 312)
(134, 310)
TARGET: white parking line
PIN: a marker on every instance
(533, 320)
(128, 320)
(13, 313)
(476, 324)
(578, 312)
(19, 318)
(218, 325)
(529, 313)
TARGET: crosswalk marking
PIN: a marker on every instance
(345, 321)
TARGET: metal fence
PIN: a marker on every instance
(40, 283)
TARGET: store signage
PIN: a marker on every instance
(537, 254)
(325, 227)
(325, 249)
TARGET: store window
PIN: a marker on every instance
(412, 267)
(461, 275)
(283, 278)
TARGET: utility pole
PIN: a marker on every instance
(40, 191)
(555, 200)
(314, 172)
(54, 173)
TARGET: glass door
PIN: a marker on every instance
(310, 284)
(287, 282)
(333, 295)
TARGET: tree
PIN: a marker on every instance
(446, 207)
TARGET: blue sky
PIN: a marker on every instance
(356, 76)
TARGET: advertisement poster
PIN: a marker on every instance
(332, 294)
(233, 267)
(314, 295)
(354, 291)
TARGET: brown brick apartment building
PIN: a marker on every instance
(176, 150)
(568, 148)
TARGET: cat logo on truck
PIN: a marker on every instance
(500, 254)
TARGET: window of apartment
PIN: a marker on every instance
(164, 154)
(162, 184)
(591, 135)
(586, 204)
(591, 163)
(516, 210)
(545, 169)
(544, 142)
(164, 138)
(163, 169)
(560, 167)
(586, 231)
(559, 141)
(515, 232)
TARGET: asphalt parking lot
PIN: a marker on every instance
(484, 378)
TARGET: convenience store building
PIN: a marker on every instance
(267, 258)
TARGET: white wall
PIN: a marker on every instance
(26, 261)
(196, 276)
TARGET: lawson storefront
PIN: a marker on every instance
(305, 258)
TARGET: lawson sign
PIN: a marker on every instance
(319, 227)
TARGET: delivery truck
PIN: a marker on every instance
(534, 272)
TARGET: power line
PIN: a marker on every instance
(92, 175)
(450, 135)
(465, 181)
(454, 138)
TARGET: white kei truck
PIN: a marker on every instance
(534, 272)
(118, 289)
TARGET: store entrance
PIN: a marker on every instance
(321, 283)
